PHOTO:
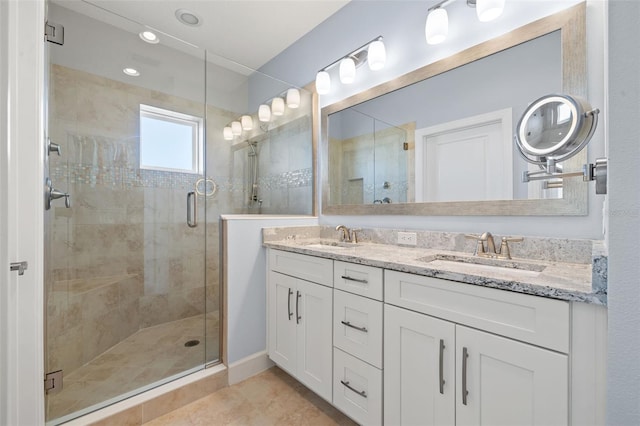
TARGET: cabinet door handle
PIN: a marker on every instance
(298, 317)
(358, 280)
(441, 366)
(289, 304)
(348, 324)
(465, 392)
(348, 386)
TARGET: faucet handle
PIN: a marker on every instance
(354, 235)
(480, 242)
(505, 252)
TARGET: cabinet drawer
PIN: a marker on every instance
(358, 279)
(357, 326)
(310, 268)
(537, 320)
(357, 388)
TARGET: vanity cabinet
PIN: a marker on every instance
(300, 322)
(440, 371)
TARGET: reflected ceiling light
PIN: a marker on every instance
(347, 70)
(247, 122)
(488, 10)
(236, 128)
(227, 133)
(188, 18)
(264, 113)
(149, 37)
(293, 98)
(277, 106)
(131, 72)
(437, 26)
(377, 55)
(323, 82)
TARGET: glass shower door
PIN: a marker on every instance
(128, 303)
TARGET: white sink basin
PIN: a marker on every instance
(483, 266)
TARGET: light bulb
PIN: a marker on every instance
(264, 113)
(488, 10)
(236, 128)
(247, 122)
(376, 55)
(149, 37)
(437, 26)
(323, 82)
(227, 133)
(293, 98)
(277, 106)
(347, 71)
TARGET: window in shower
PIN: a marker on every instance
(170, 141)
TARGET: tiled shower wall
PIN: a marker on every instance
(122, 258)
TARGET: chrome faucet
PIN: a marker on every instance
(348, 235)
(490, 250)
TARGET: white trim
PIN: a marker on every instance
(22, 337)
(249, 367)
(504, 116)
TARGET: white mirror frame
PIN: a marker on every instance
(572, 24)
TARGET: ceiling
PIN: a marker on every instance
(249, 32)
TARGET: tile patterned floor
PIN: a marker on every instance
(147, 356)
(270, 398)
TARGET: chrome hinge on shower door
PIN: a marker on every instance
(54, 33)
(53, 382)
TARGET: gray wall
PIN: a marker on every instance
(623, 384)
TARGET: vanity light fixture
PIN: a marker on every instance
(293, 98)
(236, 128)
(227, 133)
(132, 72)
(247, 122)
(264, 113)
(437, 27)
(277, 106)
(487, 10)
(373, 52)
(149, 37)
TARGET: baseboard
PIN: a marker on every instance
(248, 367)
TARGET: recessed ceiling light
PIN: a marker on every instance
(149, 37)
(131, 72)
(187, 17)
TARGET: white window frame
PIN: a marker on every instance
(197, 140)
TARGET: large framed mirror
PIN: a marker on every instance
(439, 140)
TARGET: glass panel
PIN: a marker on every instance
(125, 281)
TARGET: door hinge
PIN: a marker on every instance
(19, 266)
(54, 33)
(53, 382)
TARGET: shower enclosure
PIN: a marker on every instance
(132, 269)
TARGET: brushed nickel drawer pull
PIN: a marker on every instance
(441, 366)
(361, 393)
(298, 317)
(348, 324)
(289, 304)
(358, 280)
(465, 392)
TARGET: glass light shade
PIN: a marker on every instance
(293, 98)
(323, 82)
(488, 10)
(347, 71)
(227, 133)
(277, 106)
(437, 26)
(376, 55)
(247, 122)
(264, 113)
(236, 128)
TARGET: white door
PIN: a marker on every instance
(282, 321)
(314, 352)
(466, 160)
(412, 373)
(508, 382)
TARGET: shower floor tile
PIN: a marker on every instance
(270, 398)
(150, 355)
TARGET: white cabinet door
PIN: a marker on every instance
(412, 374)
(508, 382)
(282, 321)
(314, 338)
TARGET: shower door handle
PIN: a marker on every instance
(192, 209)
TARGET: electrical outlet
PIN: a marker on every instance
(407, 238)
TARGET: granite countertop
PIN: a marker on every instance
(552, 279)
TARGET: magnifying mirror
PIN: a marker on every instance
(555, 127)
